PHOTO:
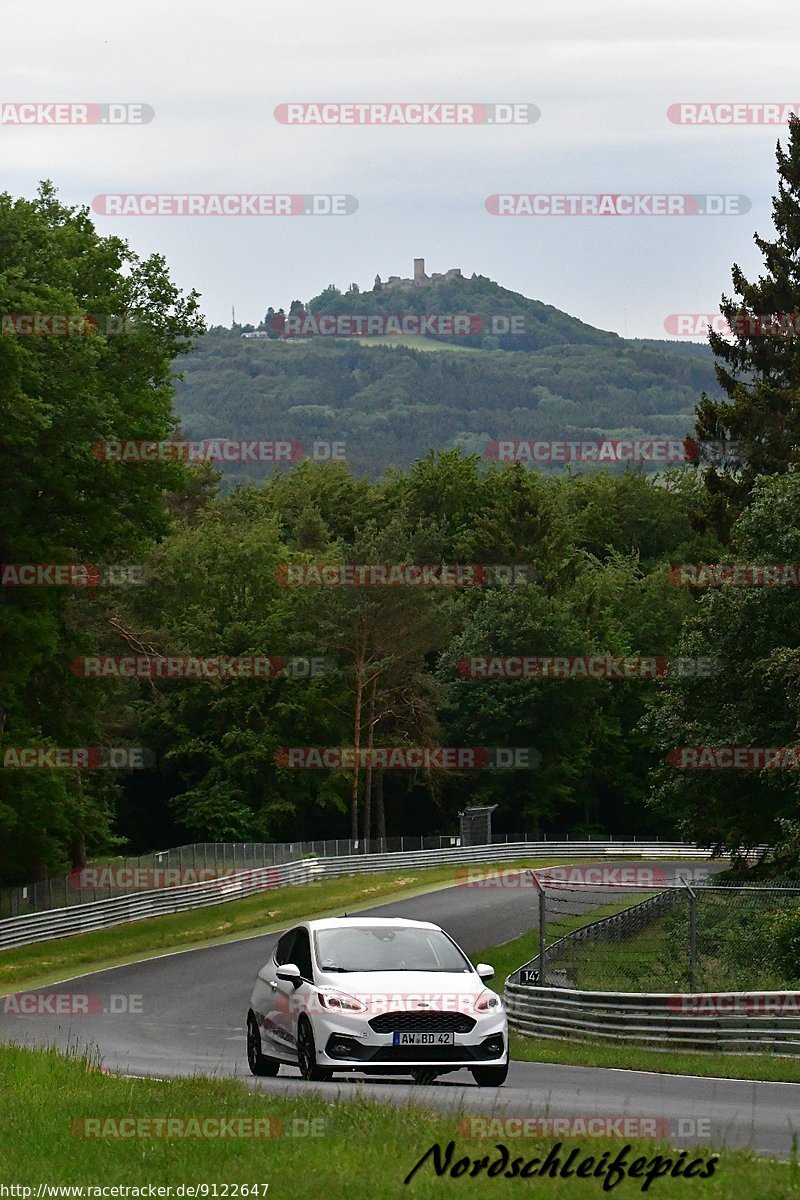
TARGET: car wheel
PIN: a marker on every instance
(258, 1063)
(423, 1075)
(307, 1054)
(490, 1076)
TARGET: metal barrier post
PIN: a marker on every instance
(542, 927)
(692, 933)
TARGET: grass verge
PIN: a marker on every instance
(510, 955)
(360, 1148)
(633, 1057)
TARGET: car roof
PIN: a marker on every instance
(367, 923)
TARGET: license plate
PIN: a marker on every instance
(423, 1039)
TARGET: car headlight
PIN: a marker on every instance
(340, 1002)
(488, 1001)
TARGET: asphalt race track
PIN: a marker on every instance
(184, 1013)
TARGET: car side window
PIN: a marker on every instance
(285, 948)
(302, 953)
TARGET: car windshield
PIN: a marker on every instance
(375, 948)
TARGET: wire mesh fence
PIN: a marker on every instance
(180, 865)
(698, 937)
(208, 860)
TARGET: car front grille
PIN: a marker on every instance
(422, 1021)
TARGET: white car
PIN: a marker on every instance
(380, 996)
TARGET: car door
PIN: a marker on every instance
(270, 1000)
(291, 999)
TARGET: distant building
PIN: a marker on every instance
(420, 278)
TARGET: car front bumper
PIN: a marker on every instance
(343, 1050)
(350, 1041)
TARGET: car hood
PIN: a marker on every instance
(403, 989)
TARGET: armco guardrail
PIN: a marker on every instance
(207, 860)
(101, 914)
(747, 1022)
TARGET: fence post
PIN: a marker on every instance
(542, 927)
(542, 935)
(692, 933)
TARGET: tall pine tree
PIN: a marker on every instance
(758, 367)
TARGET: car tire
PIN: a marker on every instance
(490, 1076)
(307, 1054)
(259, 1064)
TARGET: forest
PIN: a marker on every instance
(173, 563)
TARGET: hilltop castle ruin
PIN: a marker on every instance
(420, 278)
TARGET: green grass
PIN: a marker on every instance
(508, 956)
(633, 1057)
(46, 962)
(361, 1148)
(633, 964)
(415, 342)
(737, 951)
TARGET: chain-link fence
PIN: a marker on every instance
(181, 865)
(697, 937)
(208, 860)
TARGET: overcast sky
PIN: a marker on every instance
(603, 76)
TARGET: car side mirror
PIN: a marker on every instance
(484, 970)
(290, 973)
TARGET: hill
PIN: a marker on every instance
(391, 400)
